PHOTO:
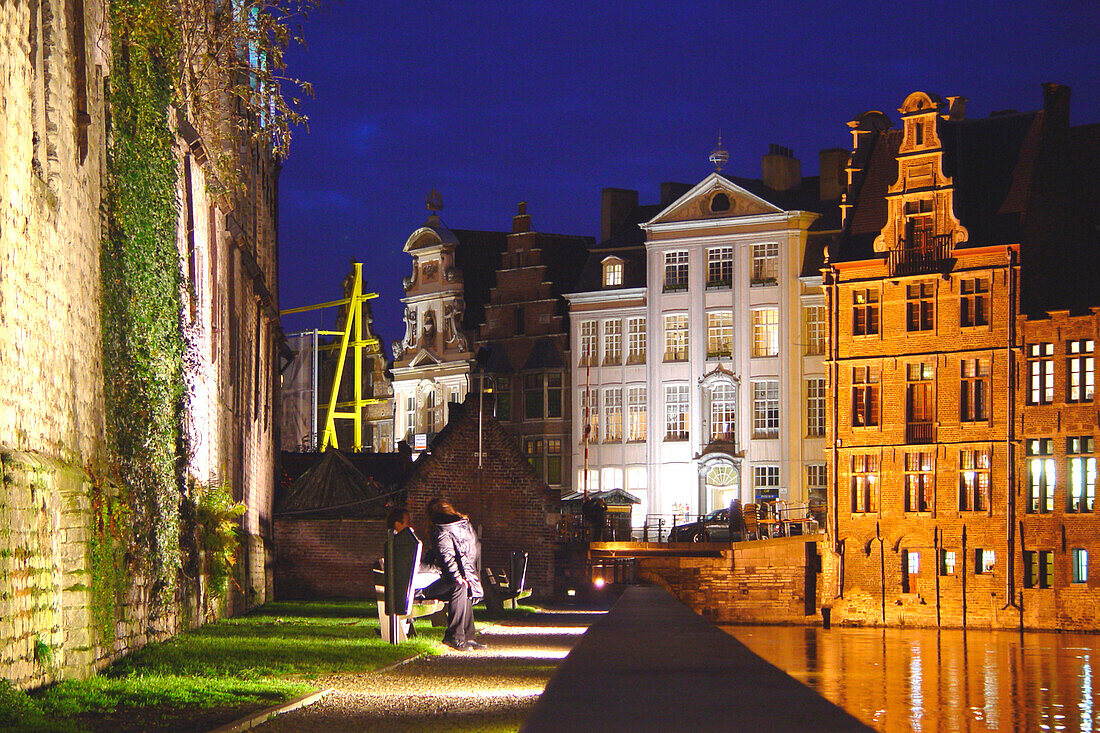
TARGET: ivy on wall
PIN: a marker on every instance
(142, 338)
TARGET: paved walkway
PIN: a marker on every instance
(485, 690)
(651, 664)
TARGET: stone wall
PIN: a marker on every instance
(53, 142)
(751, 582)
(326, 558)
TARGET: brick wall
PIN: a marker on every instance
(753, 582)
(505, 500)
(326, 558)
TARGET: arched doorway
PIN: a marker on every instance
(720, 477)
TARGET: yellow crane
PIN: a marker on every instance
(350, 338)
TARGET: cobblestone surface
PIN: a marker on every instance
(491, 689)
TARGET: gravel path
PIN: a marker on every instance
(488, 690)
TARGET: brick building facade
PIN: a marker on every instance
(480, 468)
(955, 231)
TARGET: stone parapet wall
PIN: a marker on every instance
(751, 582)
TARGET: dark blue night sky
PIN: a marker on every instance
(492, 103)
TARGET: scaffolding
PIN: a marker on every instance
(351, 338)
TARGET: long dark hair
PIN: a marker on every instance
(441, 511)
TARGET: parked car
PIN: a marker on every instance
(713, 527)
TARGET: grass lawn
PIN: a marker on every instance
(217, 673)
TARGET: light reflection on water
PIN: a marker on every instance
(923, 680)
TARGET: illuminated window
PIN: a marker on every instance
(1081, 474)
(676, 337)
(765, 263)
(984, 561)
(719, 268)
(1040, 370)
(635, 334)
(864, 483)
(765, 332)
(765, 483)
(612, 272)
(719, 334)
(613, 342)
(974, 302)
(589, 336)
(865, 400)
(919, 407)
(947, 562)
(1038, 568)
(676, 271)
(765, 409)
(1041, 475)
(590, 414)
(815, 407)
(813, 319)
(636, 414)
(613, 414)
(1080, 565)
(676, 412)
(723, 409)
(974, 479)
(974, 390)
(919, 306)
(1080, 370)
(918, 482)
(865, 314)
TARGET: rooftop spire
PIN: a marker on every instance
(719, 157)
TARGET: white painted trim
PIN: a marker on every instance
(714, 180)
(610, 296)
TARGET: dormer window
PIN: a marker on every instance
(612, 272)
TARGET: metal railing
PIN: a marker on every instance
(925, 256)
(918, 432)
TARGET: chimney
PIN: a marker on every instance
(956, 109)
(1056, 105)
(833, 178)
(670, 191)
(521, 222)
(615, 205)
(782, 171)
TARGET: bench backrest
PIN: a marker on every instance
(517, 572)
(401, 558)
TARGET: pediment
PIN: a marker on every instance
(714, 197)
(424, 357)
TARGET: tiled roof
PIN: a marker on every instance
(478, 257)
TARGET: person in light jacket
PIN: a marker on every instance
(455, 549)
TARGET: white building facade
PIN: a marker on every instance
(704, 370)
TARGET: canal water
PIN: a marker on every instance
(927, 680)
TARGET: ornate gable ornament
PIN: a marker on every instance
(920, 202)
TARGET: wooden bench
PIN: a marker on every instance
(504, 589)
(393, 584)
(418, 609)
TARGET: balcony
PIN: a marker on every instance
(924, 256)
(918, 433)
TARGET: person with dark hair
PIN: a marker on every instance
(399, 520)
(456, 550)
